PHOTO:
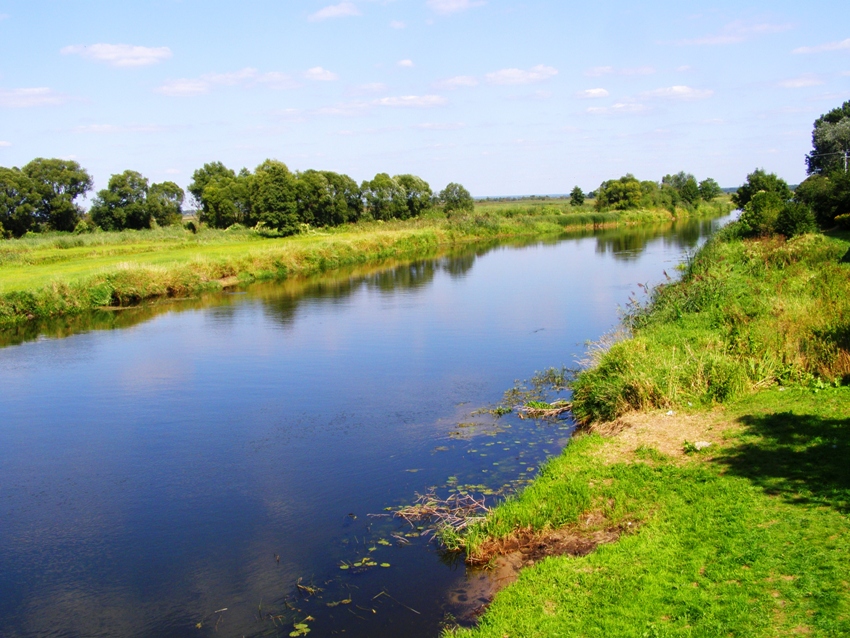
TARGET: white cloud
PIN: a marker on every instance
(185, 87)
(25, 98)
(829, 46)
(4, 16)
(411, 101)
(3, 143)
(397, 24)
(738, 31)
(319, 74)
(537, 73)
(407, 64)
(446, 7)
(341, 10)
(119, 55)
(592, 93)
(621, 108)
(440, 126)
(457, 82)
(680, 92)
(801, 82)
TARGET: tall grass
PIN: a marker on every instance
(747, 314)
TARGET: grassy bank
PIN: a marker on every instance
(43, 276)
(749, 536)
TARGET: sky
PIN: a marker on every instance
(505, 97)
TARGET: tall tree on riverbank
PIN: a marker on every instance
(123, 203)
(17, 202)
(576, 197)
(58, 183)
(830, 141)
(454, 197)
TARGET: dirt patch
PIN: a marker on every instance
(661, 431)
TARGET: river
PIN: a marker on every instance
(180, 469)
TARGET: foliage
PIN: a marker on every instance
(455, 198)
(761, 213)
(273, 198)
(57, 183)
(385, 198)
(619, 194)
(17, 202)
(165, 201)
(709, 189)
(576, 197)
(123, 203)
(830, 141)
(759, 180)
(794, 219)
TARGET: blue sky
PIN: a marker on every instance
(506, 97)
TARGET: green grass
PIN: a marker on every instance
(751, 540)
(748, 314)
(52, 275)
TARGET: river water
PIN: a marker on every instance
(179, 470)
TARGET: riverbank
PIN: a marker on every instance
(59, 275)
(712, 476)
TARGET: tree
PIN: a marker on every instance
(684, 184)
(417, 192)
(18, 199)
(709, 189)
(576, 197)
(830, 141)
(345, 188)
(757, 181)
(385, 198)
(274, 198)
(201, 178)
(827, 195)
(165, 201)
(619, 194)
(761, 213)
(454, 197)
(123, 203)
(58, 183)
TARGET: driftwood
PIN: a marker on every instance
(551, 412)
(458, 511)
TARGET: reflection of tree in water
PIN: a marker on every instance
(458, 265)
(629, 244)
(407, 277)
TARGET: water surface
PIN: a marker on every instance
(214, 454)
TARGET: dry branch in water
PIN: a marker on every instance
(458, 511)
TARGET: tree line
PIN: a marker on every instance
(44, 194)
(674, 191)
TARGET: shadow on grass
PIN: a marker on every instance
(802, 458)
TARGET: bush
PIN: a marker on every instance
(795, 219)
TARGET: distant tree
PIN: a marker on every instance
(794, 219)
(454, 197)
(576, 197)
(201, 178)
(709, 189)
(761, 213)
(274, 198)
(685, 186)
(385, 198)
(18, 199)
(345, 188)
(830, 141)
(757, 181)
(619, 194)
(417, 192)
(123, 203)
(165, 201)
(58, 183)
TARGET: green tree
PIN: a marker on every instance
(58, 183)
(417, 192)
(18, 199)
(759, 180)
(827, 195)
(576, 197)
(685, 186)
(709, 189)
(385, 198)
(201, 178)
(619, 194)
(794, 219)
(830, 141)
(123, 203)
(165, 201)
(454, 197)
(345, 188)
(761, 213)
(274, 198)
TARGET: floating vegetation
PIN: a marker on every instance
(457, 512)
